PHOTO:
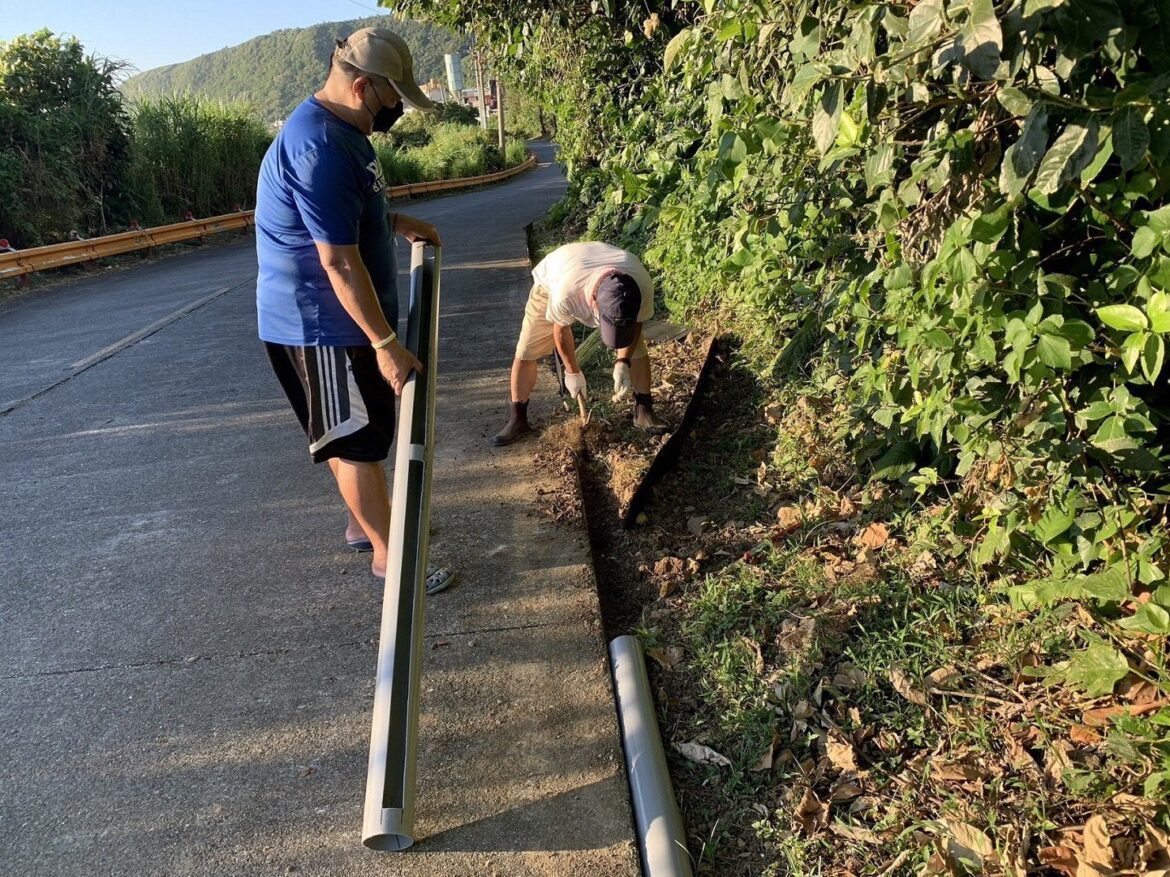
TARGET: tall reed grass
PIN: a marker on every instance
(192, 154)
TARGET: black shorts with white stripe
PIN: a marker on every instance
(341, 399)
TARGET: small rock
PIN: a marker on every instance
(668, 566)
(697, 525)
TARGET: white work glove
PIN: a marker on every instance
(575, 384)
(622, 385)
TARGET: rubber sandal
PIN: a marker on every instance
(439, 578)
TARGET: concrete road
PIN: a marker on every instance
(187, 649)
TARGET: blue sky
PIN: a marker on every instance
(150, 33)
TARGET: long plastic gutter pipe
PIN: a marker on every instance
(662, 842)
(388, 821)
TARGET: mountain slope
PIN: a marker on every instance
(277, 71)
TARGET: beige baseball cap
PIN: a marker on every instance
(384, 53)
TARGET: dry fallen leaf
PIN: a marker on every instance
(840, 752)
(1097, 848)
(1084, 735)
(967, 845)
(943, 677)
(845, 790)
(872, 537)
(788, 519)
(1056, 762)
(847, 509)
(701, 754)
(757, 654)
(955, 773)
(768, 757)
(849, 677)
(810, 814)
(924, 566)
(900, 679)
(1059, 858)
(774, 413)
(855, 833)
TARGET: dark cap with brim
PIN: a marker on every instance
(619, 299)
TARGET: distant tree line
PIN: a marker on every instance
(75, 157)
(274, 72)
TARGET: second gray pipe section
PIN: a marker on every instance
(662, 841)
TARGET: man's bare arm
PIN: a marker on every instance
(351, 283)
(566, 346)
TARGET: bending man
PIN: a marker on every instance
(599, 285)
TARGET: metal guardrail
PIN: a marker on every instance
(460, 183)
(388, 819)
(18, 263)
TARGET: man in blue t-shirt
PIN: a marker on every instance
(325, 292)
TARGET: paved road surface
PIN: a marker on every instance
(186, 649)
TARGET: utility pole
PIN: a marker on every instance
(500, 110)
(479, 85)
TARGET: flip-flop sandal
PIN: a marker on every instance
(362, 543)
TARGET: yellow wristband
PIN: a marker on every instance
(385, 342)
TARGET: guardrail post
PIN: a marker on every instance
(388, 820)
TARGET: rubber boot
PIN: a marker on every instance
(516, 427)
(644, 417)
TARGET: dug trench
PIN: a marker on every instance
(650, 560)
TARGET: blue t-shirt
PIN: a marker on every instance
(320, 181)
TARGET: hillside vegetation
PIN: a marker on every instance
(940, 230)
(274, 72)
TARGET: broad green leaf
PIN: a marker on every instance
(877, 166)
(1062, 161)
(1014, 101)
(806, 77)
(1113, 438)
(1104, 153)
(982, 39)
(673, 48)
(1054, 351)
(1022, 156)
(1034, 7)
(1159, 220)
(827, 118)
(730, 29)
(1111, 584)
(807, 40)
(1145, 241)
(1125, 318)
(1150, 618)
(1153, 356)
(926, 21)
(1053, 523)
(1096, 669)
(897, 461)
(1132, 348)
(1158, 311)
(847, 131)
(1131, 137)
(1078, 332)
